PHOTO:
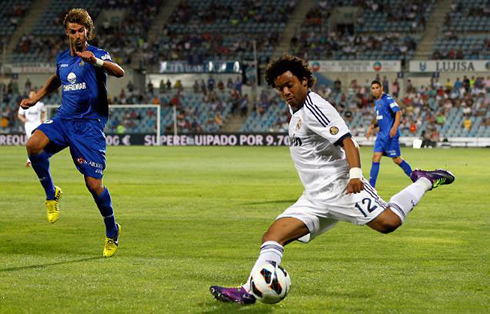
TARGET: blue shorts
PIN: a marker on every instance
(86, 140)
(388, 146)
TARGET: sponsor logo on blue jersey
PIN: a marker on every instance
(72, 78)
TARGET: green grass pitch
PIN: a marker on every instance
(193, 217)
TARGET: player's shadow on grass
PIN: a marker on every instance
(271, 202)
(49, 264)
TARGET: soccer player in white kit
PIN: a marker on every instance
(328, 163)
(32, 118)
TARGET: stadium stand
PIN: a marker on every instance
(222, 30)
(438, 109)
(384, 30)
(11, 14)
(125, 33)
(464, 34)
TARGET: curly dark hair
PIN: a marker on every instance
(297, 66)
(81, 16)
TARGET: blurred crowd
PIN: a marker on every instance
(334, 45)
(424, 108)
(208, 104)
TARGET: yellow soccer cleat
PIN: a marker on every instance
(52, 207)
(110, 246)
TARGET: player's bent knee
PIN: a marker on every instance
(94, 185)
(36, 143)
(33, 146)
(389, 227)
(385, 223)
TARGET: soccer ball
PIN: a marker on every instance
(270, 283)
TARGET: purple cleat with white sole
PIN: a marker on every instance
(238, 295)
(437, 177)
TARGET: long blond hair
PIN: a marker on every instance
(81, 16)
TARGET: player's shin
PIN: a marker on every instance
(403, 202)
(40, 164)
(373, 175)
(104, 203)
(406, 168)
(270, 252)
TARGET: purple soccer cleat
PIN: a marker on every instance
(238, 295)
(437, 177)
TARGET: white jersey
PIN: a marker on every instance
(33, 114)
(316, 130)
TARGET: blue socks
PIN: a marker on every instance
(373, 175)
(104, 202)
(406, 168)
(40, 164)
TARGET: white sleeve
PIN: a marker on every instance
(323, 119)
(22, 111)
(42, 108)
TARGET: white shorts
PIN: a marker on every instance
(321, 215)
(30, 127)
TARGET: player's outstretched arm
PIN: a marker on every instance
(374, 125)
(111, 68)
(351, 149)
(52, 84)
(394, 128)
(21, 117)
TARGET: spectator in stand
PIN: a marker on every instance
(221, 85)
(150, 87)
(413, 127)
(410, 88)
(195, 87)
(211, 83)
(229, 83)
(467, 123)
(178, 85)
(244, 106)
(386, 85)
(441, 119)
(337, 86)
(203, 87)
(395, 87)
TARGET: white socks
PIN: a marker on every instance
(403, 202)
(270, 252)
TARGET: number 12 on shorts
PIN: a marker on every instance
(365, 206)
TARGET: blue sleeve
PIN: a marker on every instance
(103, 55)
(58, 66)
(392, 104)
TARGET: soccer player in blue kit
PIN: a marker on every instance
(79, 123)
(388, 116)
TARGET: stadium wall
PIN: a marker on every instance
(188, 79)
(238, 139)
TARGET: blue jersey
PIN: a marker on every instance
(83, 86)
(386, 109)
